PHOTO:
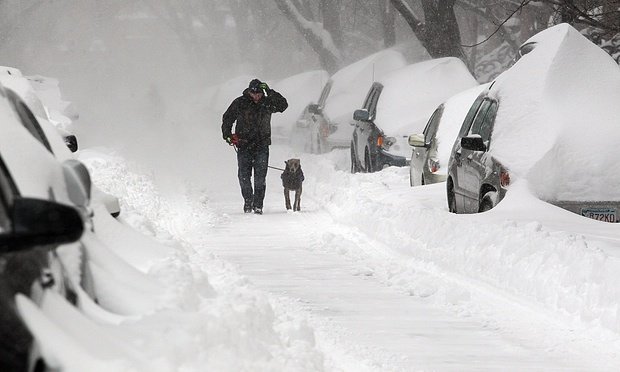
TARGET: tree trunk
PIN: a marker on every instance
(331, 21)
(389, 23)
(441, 32)
(319, 39)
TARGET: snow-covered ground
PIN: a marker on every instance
(371, 275)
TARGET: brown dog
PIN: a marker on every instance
(292, 178)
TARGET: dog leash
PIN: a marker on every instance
(268, 166)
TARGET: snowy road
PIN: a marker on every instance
(381, 295)
(396, 331)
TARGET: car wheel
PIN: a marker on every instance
(367, 162)
(354, 167)
(422, 180)
(487, 203)
(451, 198)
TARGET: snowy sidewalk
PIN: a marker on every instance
(386, 329)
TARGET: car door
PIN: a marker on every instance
(473, 169)
(457, 165)
(368, 129)
(360, 134)
(420, 155)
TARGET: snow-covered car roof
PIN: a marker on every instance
(558, 118)
(351, 83)
(454, 111)
(299, 90)
(412, 93)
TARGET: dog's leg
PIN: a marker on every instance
(297, 203)
(287, 199)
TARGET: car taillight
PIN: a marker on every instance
(504, 178)
(385, 142)
(433, 165)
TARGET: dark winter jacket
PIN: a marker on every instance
(292, 180)
(253, 119)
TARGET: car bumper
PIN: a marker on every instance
(608, 211)
(435, 178)
(387, 159)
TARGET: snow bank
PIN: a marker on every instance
(202, 321)
(524, 247)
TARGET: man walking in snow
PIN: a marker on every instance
(252, 112)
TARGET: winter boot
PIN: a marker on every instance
(258, 210)
(247, 208)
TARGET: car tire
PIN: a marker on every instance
(487, 202)
(368, 162)
(411, 183)
(354, 166)
(422, 180)
(451, 197)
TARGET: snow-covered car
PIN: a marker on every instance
(299, 90)
(400, 104)
(325, 125)
(431, 148)
(552, 120)
(43, 206)
(13, 79)
(42, 128)
(59, 112)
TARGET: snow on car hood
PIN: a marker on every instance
(351, 83)
(558, 118)
(411, 94)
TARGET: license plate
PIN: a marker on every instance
(600, 214)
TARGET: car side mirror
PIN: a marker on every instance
(417, 140)
(78, 181)
(361, 115)
(473, 143)
(313, 108)
(40, 222)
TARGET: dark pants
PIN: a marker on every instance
(255, 159)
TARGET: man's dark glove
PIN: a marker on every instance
(232, 140)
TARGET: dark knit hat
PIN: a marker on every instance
(255, 86)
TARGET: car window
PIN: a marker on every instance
(431, 126)
(371, 92)
(480, 115)
(489, 120)
(29, 121)
(470, 116)
(525, 49)
(8, 190)
(372, 108)
(325, 93)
